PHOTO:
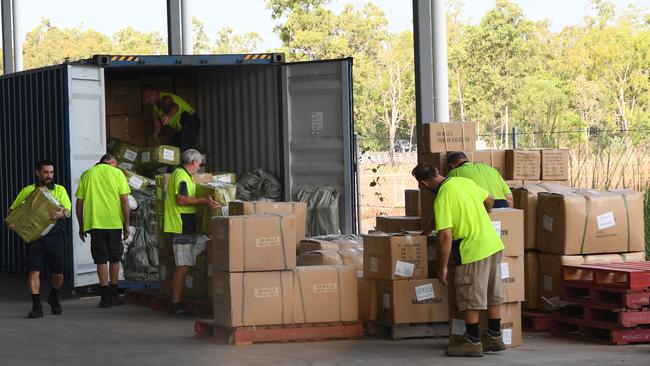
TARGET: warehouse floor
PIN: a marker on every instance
(133, 335)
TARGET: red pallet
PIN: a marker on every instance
(603, 317)
(576, 329)
(603, 296)
(536, 321)
(239, 336)
(156, 301)
(629, 275)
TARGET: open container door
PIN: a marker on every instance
(87, 144)
(318, 130)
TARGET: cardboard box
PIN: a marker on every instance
(32, 217)
(426, 203)
(513, 279)
(137, 181)
(510, 325)
(590, 222)
(123, 97)
(124, 151)
(223, 193)
(389, 257)
(254, 243)
(129, 128)
(325, 294)
(125, 165)
(348, 257)
(298, 209)
(162, 154)
(252, 298)
(312, 245)
(442, 137)
(494, 158)
(509, 224)
(412, 202)
(412, 301)
(523, 164)
(398, 224)
(367, 299)
(432, 256)
(555, 164)
(525, 198)
(565, 183)
(531, 278)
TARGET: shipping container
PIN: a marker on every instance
(293, 119)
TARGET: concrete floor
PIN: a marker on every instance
(133, 335)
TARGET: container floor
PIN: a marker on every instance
(135, 335)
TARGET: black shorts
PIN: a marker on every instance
(500, 204)
(188, 137)
(106, 245)
(47, 250)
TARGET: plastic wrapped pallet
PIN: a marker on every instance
(32, 217)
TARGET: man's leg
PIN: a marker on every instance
(178, 283)
(492, 339)
(183, 245)
(55, 260)
(116, 250)
(99, 249)
(189, 135)
(34, 256)
(102, 273)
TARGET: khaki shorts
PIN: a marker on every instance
(478, 284)
(186, 247)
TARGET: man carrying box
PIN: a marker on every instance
(173, 111)
(103, 211)
(464, 228)
(49, 248)
(484, 175)
(181, 222)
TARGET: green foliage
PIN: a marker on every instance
(229, 42)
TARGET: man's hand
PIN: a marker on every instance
(426, 232)
(57, 213)
(82, 235)
(11, 226)
(442, 276)
(165, 120)
(125, 232)
(211, 203)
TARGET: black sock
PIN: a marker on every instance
(494, 326)
(54, 293)
(472, 331)
(114, 287)
(36, 299)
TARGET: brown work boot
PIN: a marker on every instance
(492, 343)
(464, 347)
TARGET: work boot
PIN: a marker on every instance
(37, 311)
(465, 347)
(55, 305)
(492, 343)
(104, 292)
(115, 296)
(176, 309)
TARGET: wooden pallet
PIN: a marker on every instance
(628, 275)
(604, 297)
(240, 336)
(156, 301)
(584, 331)
(406, 331)
(604, 317)
(536, 321)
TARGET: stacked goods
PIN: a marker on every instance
(314, 252)
(163, 154)
(32, 217)
(130, 128)
(223, 193)
(137, 181)
(412, 202)
(298, 209)
(493, 158)
(398, 224)
(124, 151)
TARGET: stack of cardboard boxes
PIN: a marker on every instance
(314, 252)
(575, 226)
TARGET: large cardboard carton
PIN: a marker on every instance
(124, 151)
(137, 181)
(123, 97)
(347, 257)
(398, 224)
(32, 217)
(313, 245)
(523, 164)
(367, 298)
(510, 325)
(223, 193)
(513, 278)
(389, 257)
(555, 164)
(426, 203)
(412, 301)
(412, 202)
(590, 222)
(442, 137)
(254, 243)
(162, 154)
(129, 128)
(493, 158)
(531, 278)
(509, 224)
(253, 298)
(298, 209)
(432, 256)
(325, 294)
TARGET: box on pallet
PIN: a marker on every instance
(412, 301)
(555, 164)
(129, 128)
(32, 217)
(312, 245)
(252, 298)
(510, 324)
(531, 278)
(162, 154)
(389, 257)
(367, 298)
(348, 257)
(298, 209)
(324, 294)
(442, 137)
(590, 222)
(513, 278)
(398, 224)
(523, 164)
(509, 224)
(254, 243)
(412, 202)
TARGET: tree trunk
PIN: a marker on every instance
(460, 96)
(507, 130)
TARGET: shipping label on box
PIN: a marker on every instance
(388, 257)
(513, 278)
(523, 164)
(412, 301)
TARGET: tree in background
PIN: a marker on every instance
(129, 41)
(230, 42)
(201, 42)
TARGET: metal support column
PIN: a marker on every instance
(423, 61)
(440, 61)
(19, 35)
(174, 30)
(7, 37)
(186, 16)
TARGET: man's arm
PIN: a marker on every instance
(511, 201)
(183, 200)
(156, 124)
(444, 243)
(169, 107)
(126, 212)
(79, 209)
(488, 203)
(430, 228)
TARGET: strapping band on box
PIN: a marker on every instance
(282, 241)
(338, 292)
(627, 217)
(588, 209)
(243, 299)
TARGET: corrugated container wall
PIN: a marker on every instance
(33, 116)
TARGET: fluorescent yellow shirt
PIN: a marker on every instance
(485, 177)
(101, 187)
(183, 106)
(58, 192)
(173, 211)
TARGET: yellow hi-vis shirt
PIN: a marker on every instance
(101, 187)
(173, 211)
(183, 106)
(485, 177)
(58, 192)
